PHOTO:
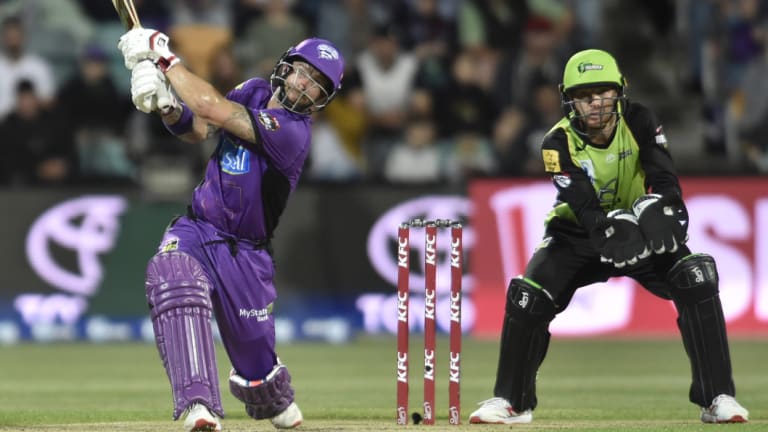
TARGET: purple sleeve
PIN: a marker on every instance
(285, 136)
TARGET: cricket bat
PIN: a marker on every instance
(126, 10)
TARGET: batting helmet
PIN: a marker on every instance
(324, 57)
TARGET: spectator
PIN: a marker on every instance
(17, 64)
(388, 77)
(347, 116)
(95, 113)
(751, 116)
(491, 24)
(349, 22)
(416, 159)
(464, 106)
(469, 155)
(430, 34)
(57, 31)
(226, 72)
(36, 152)
(329, 158)
(537, 61)
(518, 133)
(216, 13)
(200, 28)
(264, 38)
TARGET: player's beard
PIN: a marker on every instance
(297, 98)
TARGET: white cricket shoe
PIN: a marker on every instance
(724, 409)
(201, 419)
(288, 419)
(498, 411)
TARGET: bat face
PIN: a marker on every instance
(127, 13)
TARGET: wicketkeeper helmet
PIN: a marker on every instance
(590, 68)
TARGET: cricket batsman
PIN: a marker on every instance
(619, 212)
(217, 259)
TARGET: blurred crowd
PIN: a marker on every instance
(435, 90)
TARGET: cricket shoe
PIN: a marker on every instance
(288, 419)
(724, 409)
(200, 419)
(498, 411)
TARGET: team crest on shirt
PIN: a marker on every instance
(269, 121)
(234, 159)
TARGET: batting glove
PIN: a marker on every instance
(663, 221)
(150, 90)
(147, 44)
(619, 240)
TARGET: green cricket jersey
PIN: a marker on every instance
(592, 180)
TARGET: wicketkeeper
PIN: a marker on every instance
(217, 259)
(619, 212)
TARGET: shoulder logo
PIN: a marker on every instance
(269, 121)
(583, 67)
(551, 161)
(327, 52)
(660, 138)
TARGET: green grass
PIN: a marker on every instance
(585, 385)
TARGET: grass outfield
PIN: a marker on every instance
(584, 385)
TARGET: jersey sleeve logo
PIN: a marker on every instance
(563, 180)
(551, 161)
(269, 121)
(660, 138)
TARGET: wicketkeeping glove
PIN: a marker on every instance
(619, 240)
(150, 90)
(663, 221)
(142, 44)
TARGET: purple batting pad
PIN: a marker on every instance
(264, 398)
(180, 305)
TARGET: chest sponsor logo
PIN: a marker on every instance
(625, 154)
(234, 159)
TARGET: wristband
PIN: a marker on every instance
(183, 124)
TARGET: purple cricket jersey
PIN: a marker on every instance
(246, 185)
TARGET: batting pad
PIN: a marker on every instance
(263, 398)
(179, 300)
